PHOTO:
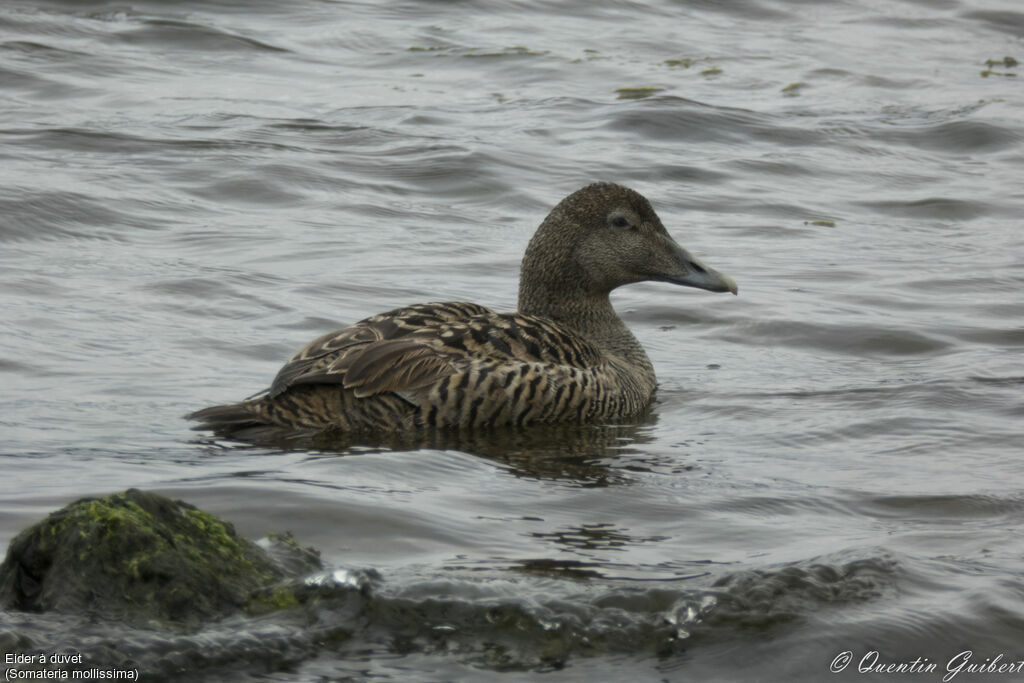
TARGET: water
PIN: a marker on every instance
(190, 191)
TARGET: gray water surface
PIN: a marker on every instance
(190, 191)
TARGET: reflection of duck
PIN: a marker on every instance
(578, 453)
(564, 357)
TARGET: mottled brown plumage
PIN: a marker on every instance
(565, 356)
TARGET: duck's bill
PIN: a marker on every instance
(708, 279)
(689, 271)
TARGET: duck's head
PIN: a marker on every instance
(601, 237)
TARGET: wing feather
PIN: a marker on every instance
(326, 360)
(401, 366)
(418, 351)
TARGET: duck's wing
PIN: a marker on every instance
(410, 359)
(411, 365)
(487, 370)
(325, 359)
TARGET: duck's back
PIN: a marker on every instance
(450, 364)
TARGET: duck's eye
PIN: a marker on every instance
(619, 222)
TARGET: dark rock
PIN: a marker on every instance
(136, 557)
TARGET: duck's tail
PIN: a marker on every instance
(227, 420)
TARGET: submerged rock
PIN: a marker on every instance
(137, 557)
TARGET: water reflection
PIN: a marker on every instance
(598, 536)
(573, 569)
(574, 452)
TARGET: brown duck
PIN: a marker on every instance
(565, 356)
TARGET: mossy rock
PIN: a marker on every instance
(137, 557)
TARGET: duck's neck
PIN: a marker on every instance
(553, 285)
(592, 317)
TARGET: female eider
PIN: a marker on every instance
(565, 356)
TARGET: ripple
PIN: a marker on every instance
(182, 34)
(1006, 21)
(945, 208)
(100, 141)
(934, 508)
(957, 136)
(40, 52)
(865, 339)
(37, 215)
(661, 118)
(248, 190)
(16, 79)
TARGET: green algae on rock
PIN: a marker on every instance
(138, 557)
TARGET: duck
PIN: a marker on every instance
(565, 356)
